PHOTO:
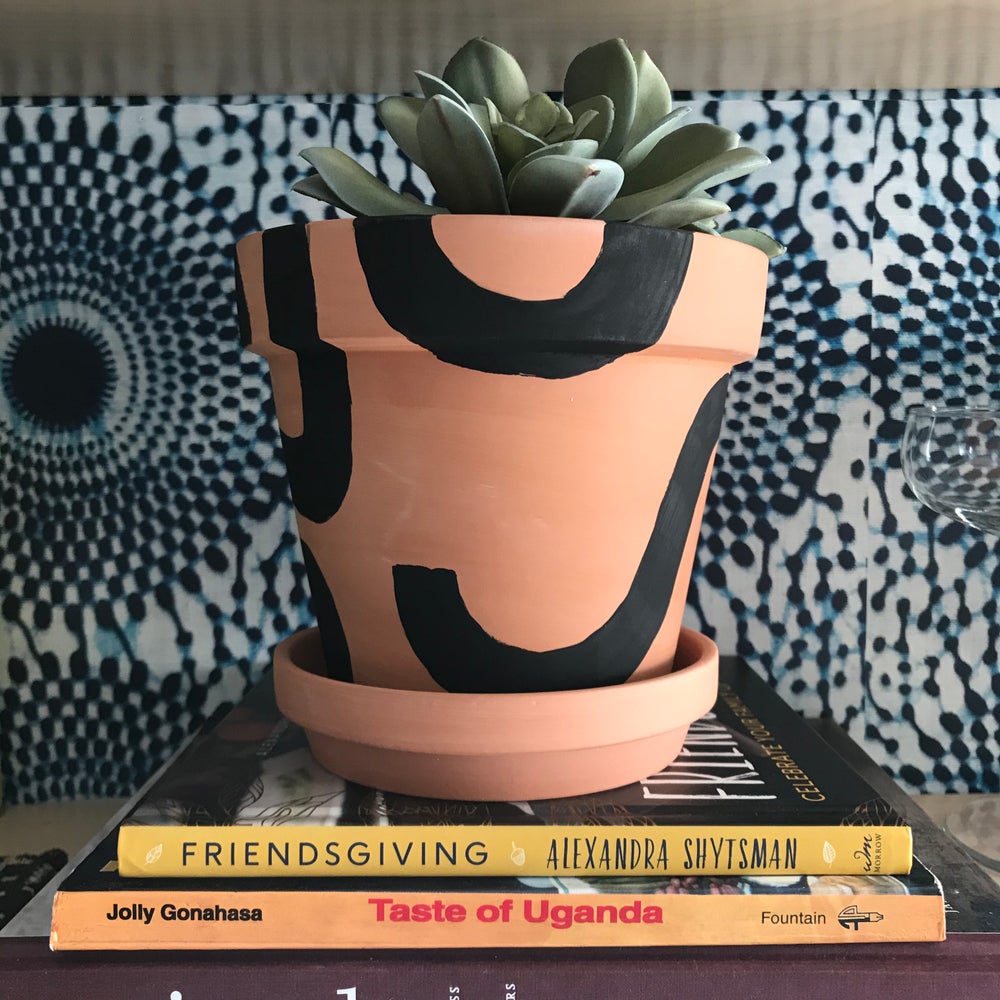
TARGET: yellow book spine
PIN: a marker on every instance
(172, 851)
(162, 919)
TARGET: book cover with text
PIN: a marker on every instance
(95, 908)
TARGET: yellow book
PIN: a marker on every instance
(755, 791)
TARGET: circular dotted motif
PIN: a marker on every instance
(148, 558)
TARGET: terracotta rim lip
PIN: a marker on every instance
(456, 723)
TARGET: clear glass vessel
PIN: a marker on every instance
(951, 461)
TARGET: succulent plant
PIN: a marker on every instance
(615, 147)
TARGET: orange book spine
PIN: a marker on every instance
(85, 920)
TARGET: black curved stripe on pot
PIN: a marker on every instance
(331, 631)
(319, 460)
(462, 657)
(620, 306)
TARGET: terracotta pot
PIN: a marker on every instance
(499, 433)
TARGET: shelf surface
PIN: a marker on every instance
(211, 47)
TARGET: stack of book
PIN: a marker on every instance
(760, 832)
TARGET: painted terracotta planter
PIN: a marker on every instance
(499, 433)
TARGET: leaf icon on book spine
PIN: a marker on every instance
(829, 854)
(154, 854)
(517, 855)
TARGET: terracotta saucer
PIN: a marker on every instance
(506, 747)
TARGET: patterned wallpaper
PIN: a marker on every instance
(148, 560)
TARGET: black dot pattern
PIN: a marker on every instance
(931, 682)
(148, 558)
(779, 574)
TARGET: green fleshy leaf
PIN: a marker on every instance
(634, 154)
(361, 192)
(594, 117)
(494, 114)
(514, 144)
(482, 115)
(561, 133)
(399, 116)
(653, 98)
(566, 127)
(607, 68)
(565, 118)
(459, 159)
(565, 186)
(709, 226)
(433, 86)
(755, 238)
(538, 115)
(314, 186)
(725, 167)
(583, 120)
(682, 212)
(677, 153)
(480, 69)
(584, 149)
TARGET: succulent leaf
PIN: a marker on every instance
(653, 98)
(482, 115)
(360, 192)
(480, 69)
(614, 148)
(538, 115)
(494, 114)
(513, 144)
(682, 212)
(585, 117)
(599, 114)
(565, 186)
(433, 86)
(725, 167)
(635, 153)
(315, 187)
(606, 69)
(459, 159)
(399, 116)
(561, 133)
(583, 148)
(565, 118)
(678, 152)
(755, 238)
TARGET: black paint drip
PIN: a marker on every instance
(461, 656)
(622, 304)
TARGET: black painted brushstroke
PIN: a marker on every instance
(319, 460)
(331, 630)
(461, 656)
(621, 306)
